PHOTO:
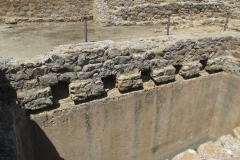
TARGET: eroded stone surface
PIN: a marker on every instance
(225, 147)
(210, 150)
(236, 132)
(190, 69)
(90, 62)
(188, 155)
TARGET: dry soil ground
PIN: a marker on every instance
(26, 40)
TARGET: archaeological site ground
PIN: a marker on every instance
(131, 92)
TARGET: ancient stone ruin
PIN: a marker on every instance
(158, 98)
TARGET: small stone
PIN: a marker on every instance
(170, 70)
(236, 132)
(185, 68)
(113, 53)
(48, 80)
(211, 150)
(124, 85)
(67, 77)
(188, 155)
(123, 59)
(10, 21)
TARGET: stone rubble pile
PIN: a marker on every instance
(225, 148)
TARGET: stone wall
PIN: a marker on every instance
(144, 12)
(157, 13)
(79, 73)
(118, 12)
(127, 3)
(80, 68)
(53, 10)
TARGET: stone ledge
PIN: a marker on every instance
(82, 67)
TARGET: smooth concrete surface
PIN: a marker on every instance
(227, 108)
(152, 124)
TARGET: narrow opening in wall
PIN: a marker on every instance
(204, 63)
(109, 82)
(145, 75)
(60, 91)
(177, 67)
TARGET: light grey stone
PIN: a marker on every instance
(48, 80)
(38, 103)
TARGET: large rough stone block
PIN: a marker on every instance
(33, 94)
(214, 65)
(230, 144)
(190, 69)
(67, 77)
(95, 54)
(48, 80)
(130, 81)
(163, 75)
(91, 67)
(211, 150)
(35, 98)
(231, 65)
(236, 132)
(77, 91)
(19, 76)
(38, 103)
(123, 59)
(82, 89)
(113, 52)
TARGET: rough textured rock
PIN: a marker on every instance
(225, 147)
(230, 144)
(210, 150)
(126, 82)
(236, 132)
(188, 155)
(81, 90)
(35, 98)
(164, 75)
(190, 69)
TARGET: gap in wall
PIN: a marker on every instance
(109, 82)
(177, 67)
(145, 75)
(204, 64)
(60, 91)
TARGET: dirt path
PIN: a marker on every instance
(26, 40)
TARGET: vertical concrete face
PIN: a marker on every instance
(226, 112)
(149, 124)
